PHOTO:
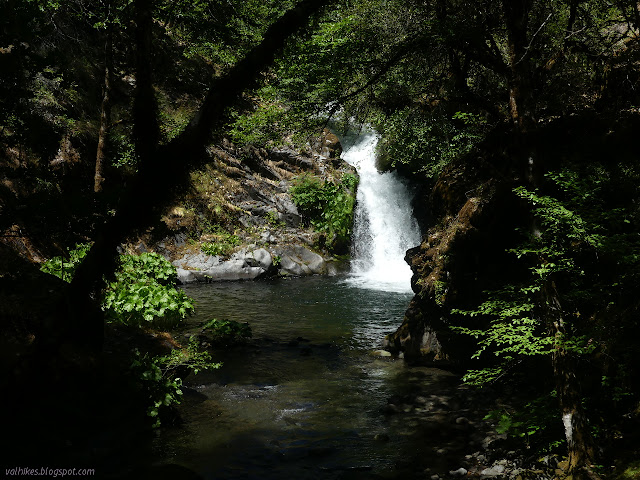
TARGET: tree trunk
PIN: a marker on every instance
(579, 441)
(105, 115)
(516, 18)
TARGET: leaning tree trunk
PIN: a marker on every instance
(105, 115)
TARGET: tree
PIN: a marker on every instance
(158, 173)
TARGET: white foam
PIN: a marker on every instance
(384, 225)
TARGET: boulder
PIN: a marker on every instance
(242, 265)
(232, 270)
(262, 258)
(297, 260)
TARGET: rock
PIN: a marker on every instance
(297, 260)
(494, 471)
(461, 472)
(263, 258)
(185, 276)
(233, 270)
(381, 353)
(197, 261)
(267, 237)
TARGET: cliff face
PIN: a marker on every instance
(473, 216)
(477, 220)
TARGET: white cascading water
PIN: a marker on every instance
(384, 226)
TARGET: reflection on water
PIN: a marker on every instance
(305, 398)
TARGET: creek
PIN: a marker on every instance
(311, 395)
(308, 397)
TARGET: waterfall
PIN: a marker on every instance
(384, 226)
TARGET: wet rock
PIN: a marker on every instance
(381, 437)
(381, 353)
(186, 276)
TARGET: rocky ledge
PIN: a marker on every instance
(254, 262)
(238, 220)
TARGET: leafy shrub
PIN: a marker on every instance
(227, 332)
(327, 206)
(66, 268)
(158, 391)
(142, 293)
(157, 377)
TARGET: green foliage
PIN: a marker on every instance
(156, 380)
(191, 357)
(133, 267)
(327, 206)
(631, 471)
(427, 141)
(264, 126)
(65, 268)
(534, 423)
(159, 391)
(227, 332)
(513, 332)
(579, 260)
(124, 156)
(220, 32)
(517, 328)
(224, 244)
(142, 293)
(274, 220)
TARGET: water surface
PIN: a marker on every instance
(306, 397)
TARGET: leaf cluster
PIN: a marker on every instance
(142, 293)
(156, 377)
(226, 332)
(224, 244)
(327, 206)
